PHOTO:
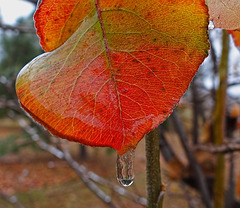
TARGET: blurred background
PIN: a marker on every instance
(199, 142)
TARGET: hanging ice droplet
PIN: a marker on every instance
(211, 25)
(125, 173)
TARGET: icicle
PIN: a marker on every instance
(125, 173)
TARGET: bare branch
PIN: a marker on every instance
(17, 28)
(81, 171)
(32, 1)
(11, 199)
(200, 179)
(87, 176)
(4, 103)
(234, 83)
(223, 148)
(117, 189)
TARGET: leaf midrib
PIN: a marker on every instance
(99, 13)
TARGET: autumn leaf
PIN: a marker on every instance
(121, 72)
(57, 20)
(236, 37)
(225, 13)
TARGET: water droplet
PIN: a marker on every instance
(126, 182)
(125, 173)
(211, 25)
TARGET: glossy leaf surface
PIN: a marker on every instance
(225, 13)
(120, 74)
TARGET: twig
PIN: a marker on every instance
(81, 170)
(200, 179)
(121, 191)
(191, 200)
(195, 109)
(32, 1)
(11, 199)
(229, 196)
(222, 148)
(17, 28)
(233, 83)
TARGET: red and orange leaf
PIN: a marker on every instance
(225, 13)
(120, 74)
(236, 37)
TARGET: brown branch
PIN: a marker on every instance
(35, 2)
(199, 176)
(195, 110)
(187, 194)
(81, 171)
(222, 148)
(233, 83)
(87, 176)
(11, 199)
(17, 28)
(120, 190)
(4, 103)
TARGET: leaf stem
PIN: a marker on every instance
(219, 122)
(155, 192)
